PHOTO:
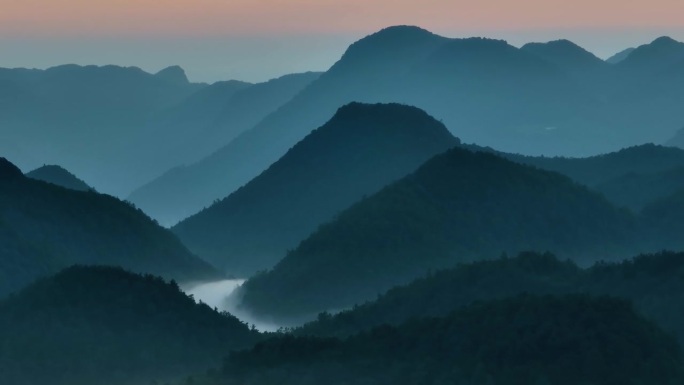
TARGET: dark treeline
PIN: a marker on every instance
(106, 326)
(654, 283)
(517, 341)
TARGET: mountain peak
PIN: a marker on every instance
(58, 176)
(660, 53)
(403, 31)
(565, 54)
(397, 43)
(8, 170)
(665, 40)
(173, 74)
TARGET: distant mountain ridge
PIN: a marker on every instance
(528, 101)
(359, 151)
(620, 56)
(158, 120)
(566, 55)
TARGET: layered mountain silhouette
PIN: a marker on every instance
(660, 54)
(50, 114)
(536, 100)
(568, 56)
(523, 340)
(632, 177)
(637, 191)
(458, 206)
(158, 120)
(191, 132)
(58, 176)
(359, 151)
(44, 227)
(103, 325)
(620, 56)
(443, 292)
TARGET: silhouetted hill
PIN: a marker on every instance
(8, 171)
(657, 55)
(106, 326)
(58, 176)
(49, 227)
(199, 132)
(173, 74)
(458, 206)
(620, 56)
(359, 151)
(519, 341)
(652, 282)
(567, 55)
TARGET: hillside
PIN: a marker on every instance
(488, 92)
(651, 282)
(458, 206)
(58, 176)
(45, 227)
(632, 177)
(519, 341)
(106, 326)
(637, 191)
(359, 151)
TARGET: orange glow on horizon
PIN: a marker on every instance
(45, 18)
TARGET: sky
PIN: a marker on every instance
(255, 40)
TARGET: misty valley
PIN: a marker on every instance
(429, 210)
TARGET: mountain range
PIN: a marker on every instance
(458, 206)
(158, 121)
(552, 98)
(355, 154)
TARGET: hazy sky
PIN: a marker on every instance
(259, 39)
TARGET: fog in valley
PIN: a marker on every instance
(435, 206)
